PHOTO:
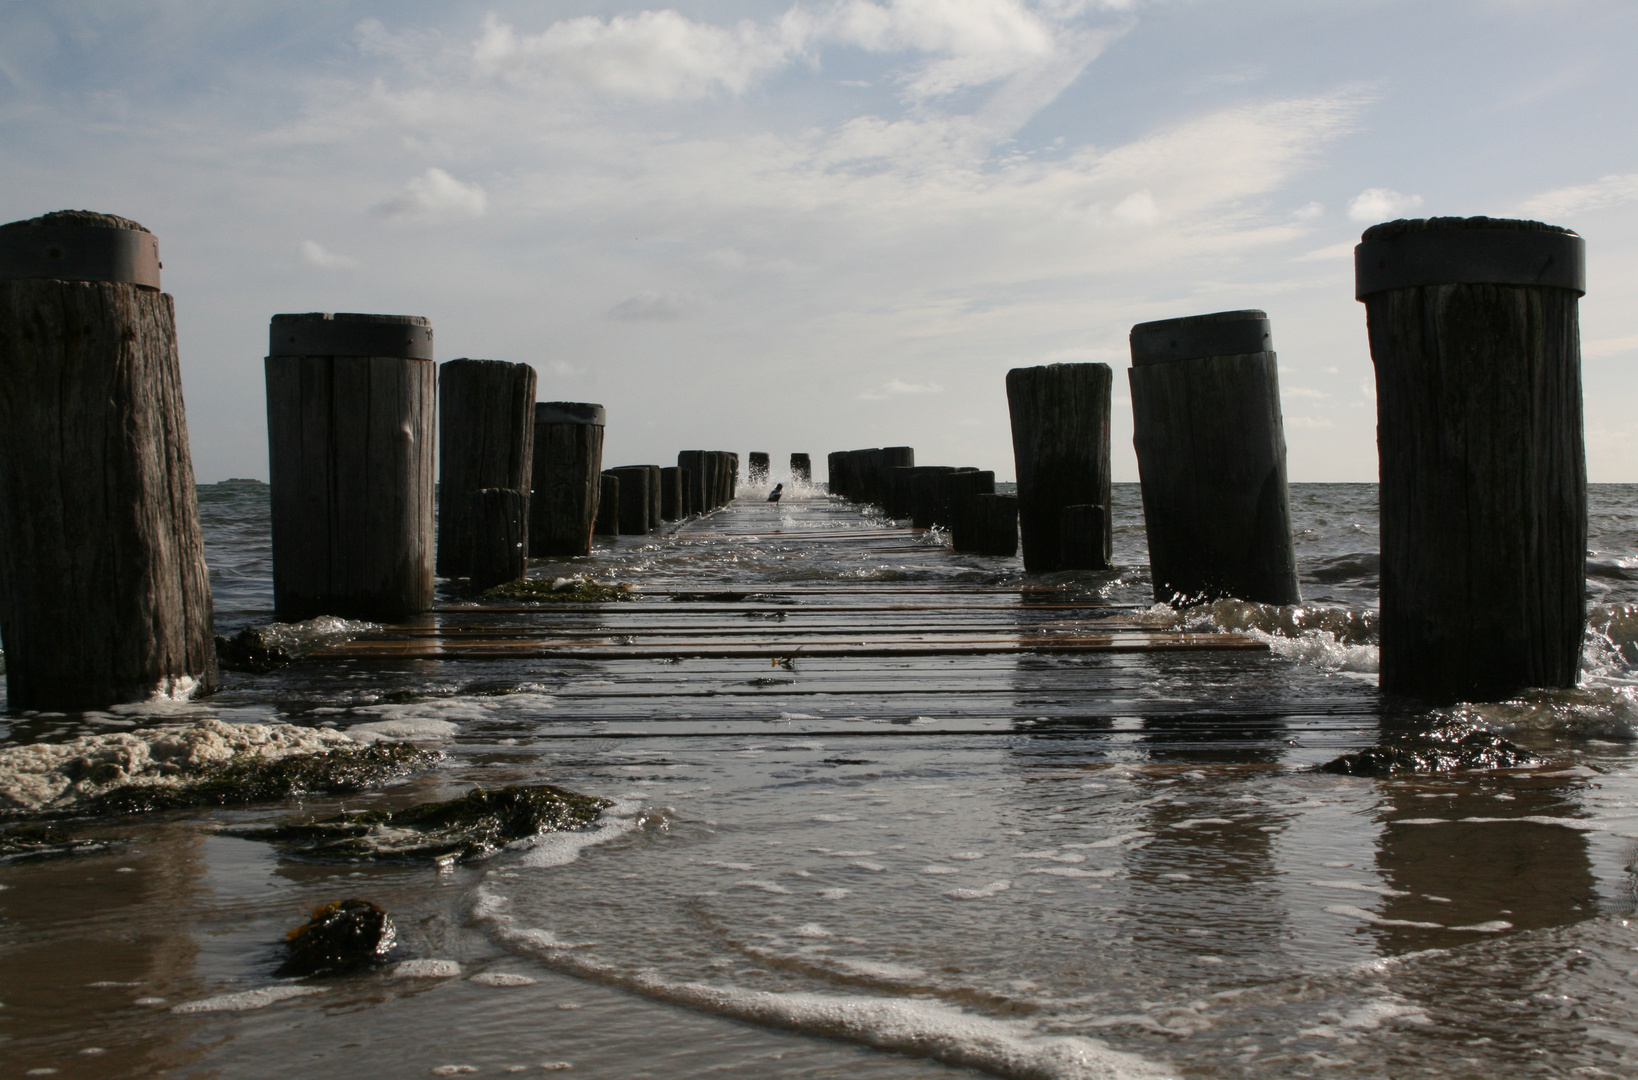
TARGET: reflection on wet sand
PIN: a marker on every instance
(95, 950)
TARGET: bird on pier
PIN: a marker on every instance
(773, 496)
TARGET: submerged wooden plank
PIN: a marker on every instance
(609, 648)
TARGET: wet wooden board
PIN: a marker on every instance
(659, 646)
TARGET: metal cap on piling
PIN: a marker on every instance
(79, 245)
(346, 333)
(1222, 333)
(1468, 251)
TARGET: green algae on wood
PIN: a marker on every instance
(248, 779)
(577, 590)
(1475, 751)
(474, 825)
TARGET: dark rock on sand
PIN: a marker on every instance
(1477, 750)
(341, 936)
(472, 826)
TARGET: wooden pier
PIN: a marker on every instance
(782, 623)
(814, 618)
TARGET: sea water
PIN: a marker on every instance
(1121, 866)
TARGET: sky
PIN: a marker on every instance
(827, 224)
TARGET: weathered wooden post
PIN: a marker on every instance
(757, 470)
(924, 492)
(568, 463)
(634, 499)
(995, 521)
(1475, 336)
(671, 494)
(608, 504)
(733, 475)
(961, 491)
(835, 466)
(692, 462)
(1211, 455)
(896, 499)
(499, 538)
(956, 486)
(350, 414)
(882, 463)
(688, 505)
(1060, 445)
(656, 497)
(801, 469)
(1081, 531)
(104, 594)
(486, 438)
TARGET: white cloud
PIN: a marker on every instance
(1308, 422)
(1343, 250)
(435, 196)
(318, 255)
(1381, 204)
(647, 56)
(1601, 194)
(1138, 208)
(1309, 211)
(650, 306)
(1610, 346)
(897, 388)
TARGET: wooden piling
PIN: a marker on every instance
(1475, 338)
(566, 477)
(1060, 443)
(924, 494)
(995, 525)
(801, 469)
(656, 497)
(733, 476)
(1081, 529)
(1211, 455)
(608, 504)
(634, 499)
(758, 468)
(486, 439)
(961, 491)
(692, 462)
(499, 537)
(104, 593)
(835, 468)
(350, 408)
(687, 505)
(671, 494)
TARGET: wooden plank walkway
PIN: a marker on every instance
(812, 619)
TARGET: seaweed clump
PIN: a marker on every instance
(341, 936)
(45, 841)
(563, 590)
(247, 779)
(1477, 750)
(260, 649)
(472, 826)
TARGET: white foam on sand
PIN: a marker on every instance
(242, 1000)
(52, 776)
(917, 1027)
(502, 978)
(426, 969)
(421, 728)
(561, 848)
